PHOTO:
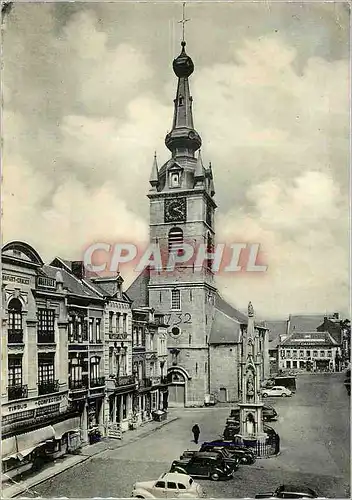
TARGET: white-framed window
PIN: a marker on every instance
(91, 331)
(94, 368)
(329, 354)
(301, 353)
(288, 353)
(322, 354)
(315, 354)
(175, 299)
(98, 330)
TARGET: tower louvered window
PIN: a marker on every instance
(175, 240)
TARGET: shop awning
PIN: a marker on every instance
(8, 448)
(72, 424)
(27, 442)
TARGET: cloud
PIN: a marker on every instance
(86, 105)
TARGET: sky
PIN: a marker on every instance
(88, 93)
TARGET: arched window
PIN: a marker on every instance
(175, 240)
(175, 300)
(95, 378)
(15, 331)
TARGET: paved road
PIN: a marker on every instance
(314, 430)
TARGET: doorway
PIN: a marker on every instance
(222, 395)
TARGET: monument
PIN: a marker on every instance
(251, 406)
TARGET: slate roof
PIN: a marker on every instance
(73, 284)
(309, 338)
(138, 290)
(224, 330)
(305, 323)
(276, 328)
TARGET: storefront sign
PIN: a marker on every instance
(15, 279)
(39, 403)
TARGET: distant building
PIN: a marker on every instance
(309, 351)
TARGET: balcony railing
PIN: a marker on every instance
(78, 384)
(17, 392)
(118, 335)
(145, 382)
(48, 387)
(125, 380)
(43, 281)
(97, 382)
(46, 338)
(15, 336)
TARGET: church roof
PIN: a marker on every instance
(224, 329)
(138, 290)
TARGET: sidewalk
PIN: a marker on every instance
(14, 488)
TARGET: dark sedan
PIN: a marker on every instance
(289, 491)
(208, 465)
(234, 462)
(269, 413)
(245, 457)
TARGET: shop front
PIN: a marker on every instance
(95, 419)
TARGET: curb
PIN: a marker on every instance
(85, 458)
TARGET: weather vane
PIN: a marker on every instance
(183, 21)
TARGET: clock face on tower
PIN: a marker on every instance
(175, 210)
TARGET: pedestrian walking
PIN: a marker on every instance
(196, 432)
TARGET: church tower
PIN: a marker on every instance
(182, 210)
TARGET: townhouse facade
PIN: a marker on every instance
(37, 417)
(72, 370)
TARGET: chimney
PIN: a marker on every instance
(78, 269)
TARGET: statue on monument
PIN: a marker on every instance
(250, 385)
(250, 310)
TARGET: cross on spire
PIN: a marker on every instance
(183, 21)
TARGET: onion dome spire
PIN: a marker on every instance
(154, 176)
(183, 140)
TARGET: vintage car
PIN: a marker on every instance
(289, 491)
(208, 465)
(269, 413)
(230, 445)
(277, 390)
(169, 485)
(245, 457)
(223, 453)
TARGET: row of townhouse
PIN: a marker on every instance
(77, 362)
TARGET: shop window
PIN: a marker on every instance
(15, 331)
(175, 300)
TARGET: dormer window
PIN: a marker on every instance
(175, 179)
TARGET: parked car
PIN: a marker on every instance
(209, 400)
(289, 491)
(277, 390)
(209, 465)
(245, 457)
(228, 459)
(169, 485)
(229, 445)
(288, 381)
(269, 413)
